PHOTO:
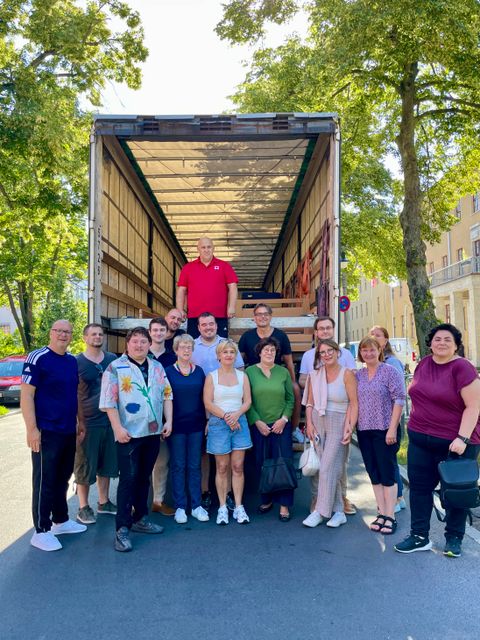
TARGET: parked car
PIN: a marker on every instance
(10, 378)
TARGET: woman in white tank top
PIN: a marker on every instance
(227, 397)
(331, 411)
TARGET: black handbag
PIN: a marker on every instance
(459, 483)
(278, 474)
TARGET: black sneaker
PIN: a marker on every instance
(145, 526)
(230, 501)
(206, 500)
(122, 540)
(453, 548)
(413, 543)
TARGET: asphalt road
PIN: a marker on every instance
(264, 580)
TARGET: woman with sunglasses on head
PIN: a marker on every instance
(331, 412)
(381, 396)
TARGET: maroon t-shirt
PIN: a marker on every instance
(437, 405)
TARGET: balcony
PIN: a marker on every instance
(455, 271)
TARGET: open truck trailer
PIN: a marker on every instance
(263, 187)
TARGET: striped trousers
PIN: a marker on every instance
(332, 454)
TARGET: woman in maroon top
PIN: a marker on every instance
(444, 420)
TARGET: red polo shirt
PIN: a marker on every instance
(207, 288)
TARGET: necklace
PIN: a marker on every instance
(185, 375)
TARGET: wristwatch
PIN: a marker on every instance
(464, 439)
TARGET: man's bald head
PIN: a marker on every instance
(205, 249)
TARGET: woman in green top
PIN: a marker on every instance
(269, 415)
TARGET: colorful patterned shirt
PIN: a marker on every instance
(140, 406)
(377, 397)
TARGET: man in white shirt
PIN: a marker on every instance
(324, 328)
(204, 353)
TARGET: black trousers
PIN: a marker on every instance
(273, 446)
(424, 454)
(51, 471)
(379, 458)
(136, 460)
(222, 327)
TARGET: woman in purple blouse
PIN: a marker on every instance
(444, 421)
(381, 396)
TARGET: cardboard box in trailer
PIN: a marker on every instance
(264, 187)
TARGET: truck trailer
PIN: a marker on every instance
(264, 187)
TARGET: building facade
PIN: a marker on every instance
(453, 266)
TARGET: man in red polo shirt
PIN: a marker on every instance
(207, 284)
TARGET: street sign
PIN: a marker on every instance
(344, 303)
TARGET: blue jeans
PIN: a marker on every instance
(185, 460)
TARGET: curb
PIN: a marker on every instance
(11, 413)
(470, 531)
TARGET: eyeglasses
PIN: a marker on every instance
(328, 352)
(67, 332)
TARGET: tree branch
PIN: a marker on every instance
(40, 58)
(4, 193)
(13, 310)
(439, 112)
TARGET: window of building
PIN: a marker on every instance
(402, 320)
(476, 202)
(412, 325)
(378, 304)
(400, 289)
(366, 308)
(447, 313)
(458, 211)
(476, 248)
(361, 310)
(394, 327)
(432, 267)
(460, 254)
(444, 261)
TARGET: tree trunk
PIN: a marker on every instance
(25, 304)
(16, 317)
(411, 215)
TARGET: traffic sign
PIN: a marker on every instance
(344, 303)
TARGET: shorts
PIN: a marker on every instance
(96, 455)
(379, 458)
(221, 440)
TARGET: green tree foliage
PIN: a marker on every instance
(52, 55)
(404, 77)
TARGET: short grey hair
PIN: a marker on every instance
(184, 337)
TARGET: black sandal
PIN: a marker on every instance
(377, 523)
(265, 508)
(390, 528)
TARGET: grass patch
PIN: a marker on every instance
(402, 452)
(3, 411)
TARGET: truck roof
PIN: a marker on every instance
(234, 178)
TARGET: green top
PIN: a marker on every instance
(272, 397)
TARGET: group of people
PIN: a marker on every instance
(174, 400)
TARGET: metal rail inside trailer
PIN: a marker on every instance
(264, 187)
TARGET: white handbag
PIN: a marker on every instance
(309, 462)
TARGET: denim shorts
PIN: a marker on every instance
(221, 440)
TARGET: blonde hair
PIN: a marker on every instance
(184, 337)
(223, 344)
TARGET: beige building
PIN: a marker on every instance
(454, 268)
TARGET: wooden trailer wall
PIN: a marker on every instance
(140, 265)
(306, 232)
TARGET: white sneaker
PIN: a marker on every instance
(313, 520)
(45, 541)
(200, 514)
(337, 519)
(180, 516)
(240, 515)
(222, 515)
(70, 526)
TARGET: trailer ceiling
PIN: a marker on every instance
(236, 193)
(237, 190)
